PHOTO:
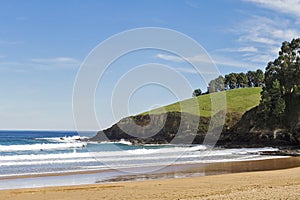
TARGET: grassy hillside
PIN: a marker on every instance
(238, 100)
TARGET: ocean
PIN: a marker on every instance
(58, 152)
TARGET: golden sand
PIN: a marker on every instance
(276, 184)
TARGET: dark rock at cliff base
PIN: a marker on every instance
(247, 132)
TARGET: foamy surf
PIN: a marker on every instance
(122, 141)
(41, 147)
(129, 158)
(67, 139)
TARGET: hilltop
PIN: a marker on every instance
(237, 100)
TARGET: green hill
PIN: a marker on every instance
(237, 100)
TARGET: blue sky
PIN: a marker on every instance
(43, 43)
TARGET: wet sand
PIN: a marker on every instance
(274, 184)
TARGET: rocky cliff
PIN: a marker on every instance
(178, 128)
(248, 132)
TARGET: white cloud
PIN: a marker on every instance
(247, 49)
(40, 64)
(55, 60)
(283, 6)
(241, 49)
(259, 37)
(260, 58)
(264, 30)
(203, 58)
(55, 63)
(229, 61)
(170, 57)
(216, 59)
(266, 35)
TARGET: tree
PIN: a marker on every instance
(259, 77)
(231, 80)
(272, 106)
(197, 92)
(281, 91)
(212, 86)
(220, 83)
(216, 85)
(277, 102)
(242, 80)
(251, 75)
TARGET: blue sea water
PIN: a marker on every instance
(44, 152)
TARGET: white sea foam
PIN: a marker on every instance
(133, 157)
(127, 161)
(67, 139)
(41, 147)
(122, 141)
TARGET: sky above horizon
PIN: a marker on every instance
(43, 43)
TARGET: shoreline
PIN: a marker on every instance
(131, 175)
(170, 168)
(211, 169)
(273, 184)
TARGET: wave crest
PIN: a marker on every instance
(41, 147)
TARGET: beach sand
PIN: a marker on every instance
(275, 184)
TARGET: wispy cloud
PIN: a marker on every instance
(265, 35)
(55, 63)
(201, 58)
(240, 49)
(264, 30)
(216, 59)
(170, 57)
(177, 59)
(283, 6)
(59, 60)
(232, 62)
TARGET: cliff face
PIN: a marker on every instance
(183, 128)
(172, 127)
(247, 133)
(168, 128)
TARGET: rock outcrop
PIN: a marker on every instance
(248, 133)
(183, 128)
(171, 127)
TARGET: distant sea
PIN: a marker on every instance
(44, 152)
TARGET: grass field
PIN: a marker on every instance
(237, 100)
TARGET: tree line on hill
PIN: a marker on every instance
(233, 81)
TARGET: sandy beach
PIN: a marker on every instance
(275, 184)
